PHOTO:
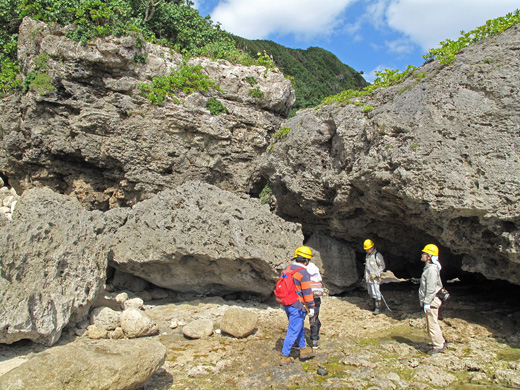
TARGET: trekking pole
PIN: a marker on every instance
(382, 297)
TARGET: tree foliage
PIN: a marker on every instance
(171, 23)
(316, 73)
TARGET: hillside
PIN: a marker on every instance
(317, 72)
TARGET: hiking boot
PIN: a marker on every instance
(315, 344)
(378, 307)
(285, 360)
(306, 353)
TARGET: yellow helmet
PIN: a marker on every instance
(303, 251)
(368, 244)
(431, 249)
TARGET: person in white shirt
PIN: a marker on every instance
(374, 266)
(317, 290)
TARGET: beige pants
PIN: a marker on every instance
(432, 324)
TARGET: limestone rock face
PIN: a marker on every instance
(434, 161)
(198, 238)
(52, 267)
(101, 364)
(97, 138)
(336, 261)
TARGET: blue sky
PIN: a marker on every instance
(368, 35)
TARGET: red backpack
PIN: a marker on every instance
(285, 291)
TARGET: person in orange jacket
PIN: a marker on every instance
(296, 312)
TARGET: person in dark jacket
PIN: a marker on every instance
(430, 286)
(317, 291)
(296, 312)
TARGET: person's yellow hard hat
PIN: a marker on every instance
(431, 249)
(303, 251)
(368, 244)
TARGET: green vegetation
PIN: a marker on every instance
(40, 81)
(215, 106)
(173, 24)
(315, 73)
(282, 132)
(446, 54)
(256, 92)
(251, 80)
(449, 49)
(265, 195)
(187, 79)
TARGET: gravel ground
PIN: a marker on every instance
(358, 350)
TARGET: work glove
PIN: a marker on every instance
(311, 313)
(426, 308)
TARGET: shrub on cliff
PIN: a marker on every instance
(171, 23)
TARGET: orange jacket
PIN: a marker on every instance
(302, 282)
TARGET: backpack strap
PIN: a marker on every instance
(300, 297)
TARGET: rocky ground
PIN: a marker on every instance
(358, 350)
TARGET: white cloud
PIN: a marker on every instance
(428, 22)
(255, 19)
(400, 46)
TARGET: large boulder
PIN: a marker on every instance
(433, 159)
(201, 239)
(96, 137)
(336, 261)
(51, 266)
(101, 364)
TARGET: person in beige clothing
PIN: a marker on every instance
(431, 284)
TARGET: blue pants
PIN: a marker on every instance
(295, 330)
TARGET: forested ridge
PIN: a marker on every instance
(318, 75)
(316, 72)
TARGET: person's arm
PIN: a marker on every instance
(306, 289)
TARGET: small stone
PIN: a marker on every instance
(322, 372)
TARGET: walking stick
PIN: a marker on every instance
(385, 302)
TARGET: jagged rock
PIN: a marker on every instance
(198, 329)
(434, 161)
(105, 318)
(136, 323)
(238, 322)
(52, 267)
(201, 239)
(101, 141)
(102, 364)
(176, 239)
